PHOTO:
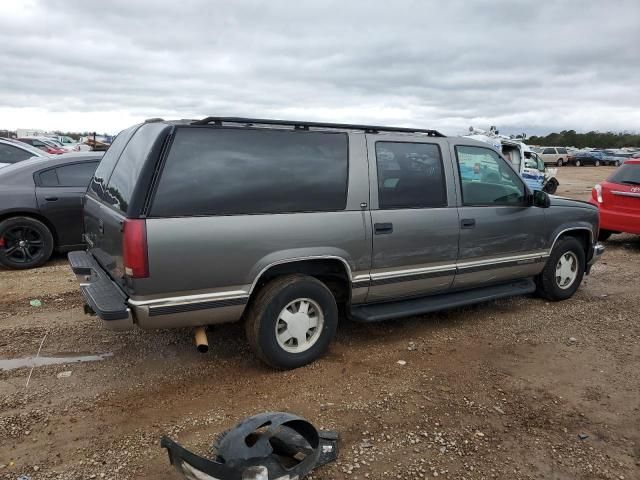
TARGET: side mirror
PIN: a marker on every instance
(541, 199)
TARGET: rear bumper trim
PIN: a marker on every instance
(103, 295)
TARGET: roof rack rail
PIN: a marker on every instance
(300, 125)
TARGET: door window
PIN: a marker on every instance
(562, 151)
(487, 179)
(548, 151)
(410, 175)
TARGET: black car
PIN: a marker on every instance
(41, 207)
(594, 158)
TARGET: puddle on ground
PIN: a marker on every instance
(14, 363)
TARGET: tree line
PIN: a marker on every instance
(569, 138)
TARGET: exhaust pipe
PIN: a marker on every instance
(202, 344)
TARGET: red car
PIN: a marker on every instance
(618, 199)
(45, 145)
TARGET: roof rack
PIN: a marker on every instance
(300, 125)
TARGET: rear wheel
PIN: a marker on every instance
(563, 272)
(24, 243)
(616, 163)
(578, 163)
(291, 321)
(559, 162)
(551, 186)
(596, 163)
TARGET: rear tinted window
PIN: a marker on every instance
(627, 173)
(103, 172)
(548, 151)
(562, 151)
(222, 171)
(76, 175)
(127, 170)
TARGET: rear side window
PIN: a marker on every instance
(225, 171)
(49, 178)
(76, 175)
(562, 151)
(410, 175)
(103, 172)
(127, 170)
(549, 151)
(11, 154)
(627, 173)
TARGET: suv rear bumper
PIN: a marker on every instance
(100, 293)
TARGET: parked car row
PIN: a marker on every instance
(565, 156)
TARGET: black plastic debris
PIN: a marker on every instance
(267, 446)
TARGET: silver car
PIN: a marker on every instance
(283, 224)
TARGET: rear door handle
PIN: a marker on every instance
(51, 199)
(382, 228)
(101, 226)
(468, 223)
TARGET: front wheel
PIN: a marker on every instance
(563, 272)
(596, 163)
(24, 243)
(578, 163)
(291, 321)
(616, 163)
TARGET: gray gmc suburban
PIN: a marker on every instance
(282, 223)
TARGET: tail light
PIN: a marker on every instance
(597, 192)
(134, 248)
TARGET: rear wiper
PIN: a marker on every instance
(630, 182)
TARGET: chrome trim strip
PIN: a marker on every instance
(412, 271)
(188, 299)
(498, 261)
(625, 194)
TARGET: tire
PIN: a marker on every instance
(559, 162)
(37, 246)
(616, 163)
(596, 163)
(578, 163)
(264, 320)
(549, 287)
(551, 187)
(604, 235)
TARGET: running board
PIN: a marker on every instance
(376, 312)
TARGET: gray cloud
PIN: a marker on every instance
(520, 65)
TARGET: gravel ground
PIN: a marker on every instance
(517, 388)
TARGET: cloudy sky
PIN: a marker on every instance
(521, 65)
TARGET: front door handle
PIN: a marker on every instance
(468, 223)
(382, 228)
(51, 199)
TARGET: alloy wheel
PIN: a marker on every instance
(299, 325)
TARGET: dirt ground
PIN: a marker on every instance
(518, 388)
